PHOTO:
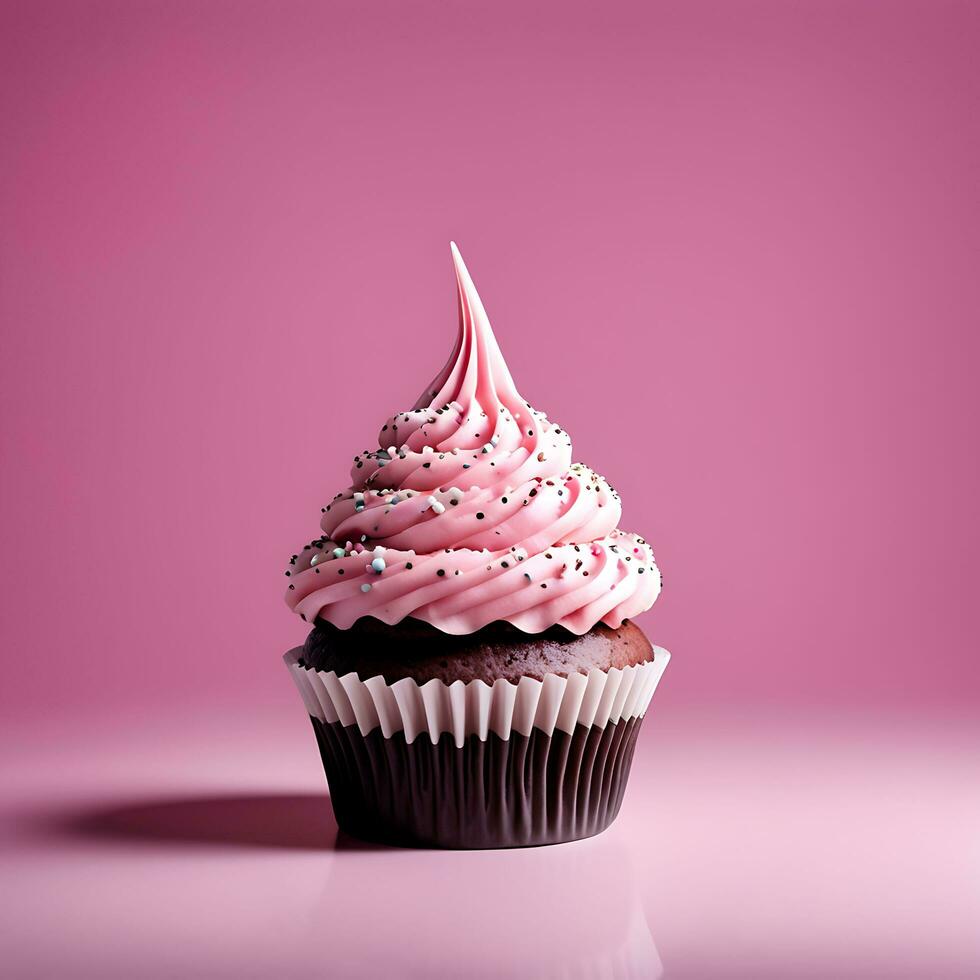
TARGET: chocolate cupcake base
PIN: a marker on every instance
(521, 791)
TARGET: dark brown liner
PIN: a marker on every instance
(515, 792)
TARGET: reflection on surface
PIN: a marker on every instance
(120, 864)
(571, 910)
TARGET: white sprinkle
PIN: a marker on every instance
(339, 552)
(365, 587)
(314, 559)
(434, 503)
(378, 565)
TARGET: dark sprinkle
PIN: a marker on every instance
(408, 564)
(479, 517)
(441, 572)
(503, 500)
(504, 564)
(532, 493)
(340, 571)
(425, 466)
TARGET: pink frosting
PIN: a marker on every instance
(472, 511)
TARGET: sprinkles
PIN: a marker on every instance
(455, 434)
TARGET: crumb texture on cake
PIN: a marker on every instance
(417, 650)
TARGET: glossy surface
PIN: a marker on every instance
(747, 847)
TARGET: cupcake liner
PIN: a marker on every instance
(478, 708)
(524, 790)
(503, 765)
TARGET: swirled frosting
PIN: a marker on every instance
(471, 511)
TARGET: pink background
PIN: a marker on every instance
(730, 247)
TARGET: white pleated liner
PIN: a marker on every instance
(477, 708)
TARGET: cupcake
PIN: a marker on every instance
(472, 674)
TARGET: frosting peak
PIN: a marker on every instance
(471, 511)
(476, 368)
(471, 418)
